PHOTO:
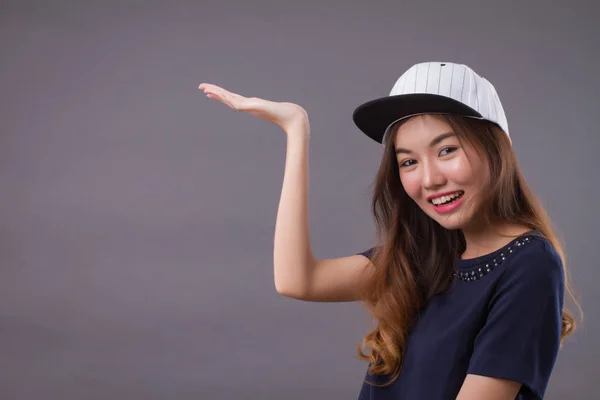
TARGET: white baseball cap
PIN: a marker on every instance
(431, 88)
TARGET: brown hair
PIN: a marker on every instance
(408, 273)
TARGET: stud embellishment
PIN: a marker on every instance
(482, 271)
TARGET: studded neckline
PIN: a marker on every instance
(476, 268)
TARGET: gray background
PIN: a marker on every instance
(138, 215)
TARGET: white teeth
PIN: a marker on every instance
(443, 199)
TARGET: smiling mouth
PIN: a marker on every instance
(448, 199)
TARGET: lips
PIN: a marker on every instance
(450, 206)
(436, 196)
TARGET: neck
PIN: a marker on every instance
(481, 240)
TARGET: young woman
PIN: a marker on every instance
(467, 279)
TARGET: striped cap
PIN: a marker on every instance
(431, 88)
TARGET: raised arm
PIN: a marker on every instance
(297, 273)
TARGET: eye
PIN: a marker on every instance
(404, 163)
(449, 149)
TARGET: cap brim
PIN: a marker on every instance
(373, 117)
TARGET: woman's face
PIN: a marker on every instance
(442, 176)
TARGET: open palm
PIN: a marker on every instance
(283, 114)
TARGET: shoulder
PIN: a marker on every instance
(370, 252)
(535, 270)
(367, 253)
(536, 259)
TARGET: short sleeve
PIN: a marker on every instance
(367, 253)
(521, 335)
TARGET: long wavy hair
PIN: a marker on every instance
(415, 256)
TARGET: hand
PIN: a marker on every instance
(285, 115)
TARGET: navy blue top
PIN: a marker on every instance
(505, 323)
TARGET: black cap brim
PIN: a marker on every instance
(373, 117)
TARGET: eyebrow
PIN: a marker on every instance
(435, 141)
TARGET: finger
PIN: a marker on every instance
(215, 89)
(231, 99)
(220, 96)
(205, 85)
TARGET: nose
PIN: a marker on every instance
(433, 177)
